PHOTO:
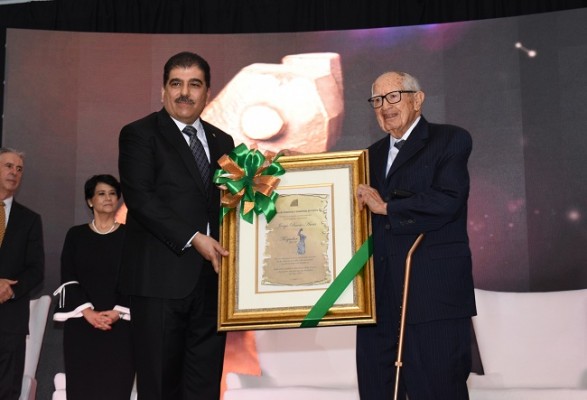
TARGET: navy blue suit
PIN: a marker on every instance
(426, 191)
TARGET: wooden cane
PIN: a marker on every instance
(400, 347)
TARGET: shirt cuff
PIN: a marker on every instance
(189, 243)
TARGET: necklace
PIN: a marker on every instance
(103, 233)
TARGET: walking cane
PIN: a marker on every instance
(400, 347)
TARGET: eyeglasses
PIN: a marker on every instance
(391, 97)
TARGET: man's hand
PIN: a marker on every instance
(367, 196)
(6, 291)
(210, 249)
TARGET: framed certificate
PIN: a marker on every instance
(276, 271)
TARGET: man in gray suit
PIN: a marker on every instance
(22, 264)
(171, 254)
(419, 184)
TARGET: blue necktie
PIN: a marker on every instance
(398, 145)
(199, 154)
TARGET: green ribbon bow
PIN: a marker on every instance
(249, 178)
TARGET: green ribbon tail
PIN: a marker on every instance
(346, 276)
(223, 212)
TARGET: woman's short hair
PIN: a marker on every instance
(90, 186)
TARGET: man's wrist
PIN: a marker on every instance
(189, 243)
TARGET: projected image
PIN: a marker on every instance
(296, 105)
(307, 92)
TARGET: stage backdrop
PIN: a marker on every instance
(517, 84)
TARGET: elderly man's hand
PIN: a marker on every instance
(367, 196)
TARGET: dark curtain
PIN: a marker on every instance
(252, 16)
(247, 16)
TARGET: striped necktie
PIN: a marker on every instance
(199, 154)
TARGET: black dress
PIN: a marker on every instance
(98, 364)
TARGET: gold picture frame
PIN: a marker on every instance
(275, 272)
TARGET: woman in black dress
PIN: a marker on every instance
(96, 337)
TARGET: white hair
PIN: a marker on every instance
(409, 82)
(4, 150)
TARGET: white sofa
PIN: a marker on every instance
(39, 309)
(533, 346)
(303, 363)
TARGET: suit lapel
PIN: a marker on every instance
(212, 145)
(413, 145)
(378, 155)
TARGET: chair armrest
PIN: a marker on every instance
(233, 381)
(488, 381)
(59, 381)
(59, 395)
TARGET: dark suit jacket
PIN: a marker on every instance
(432, 169)
(22, 258)
(167, 204)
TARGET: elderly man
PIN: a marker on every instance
(420, 184)
(22, 263)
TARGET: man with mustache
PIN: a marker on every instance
(171, 253)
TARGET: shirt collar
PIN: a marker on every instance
(197, 124)
(8, 202)
(406, 135)
(7, 207)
